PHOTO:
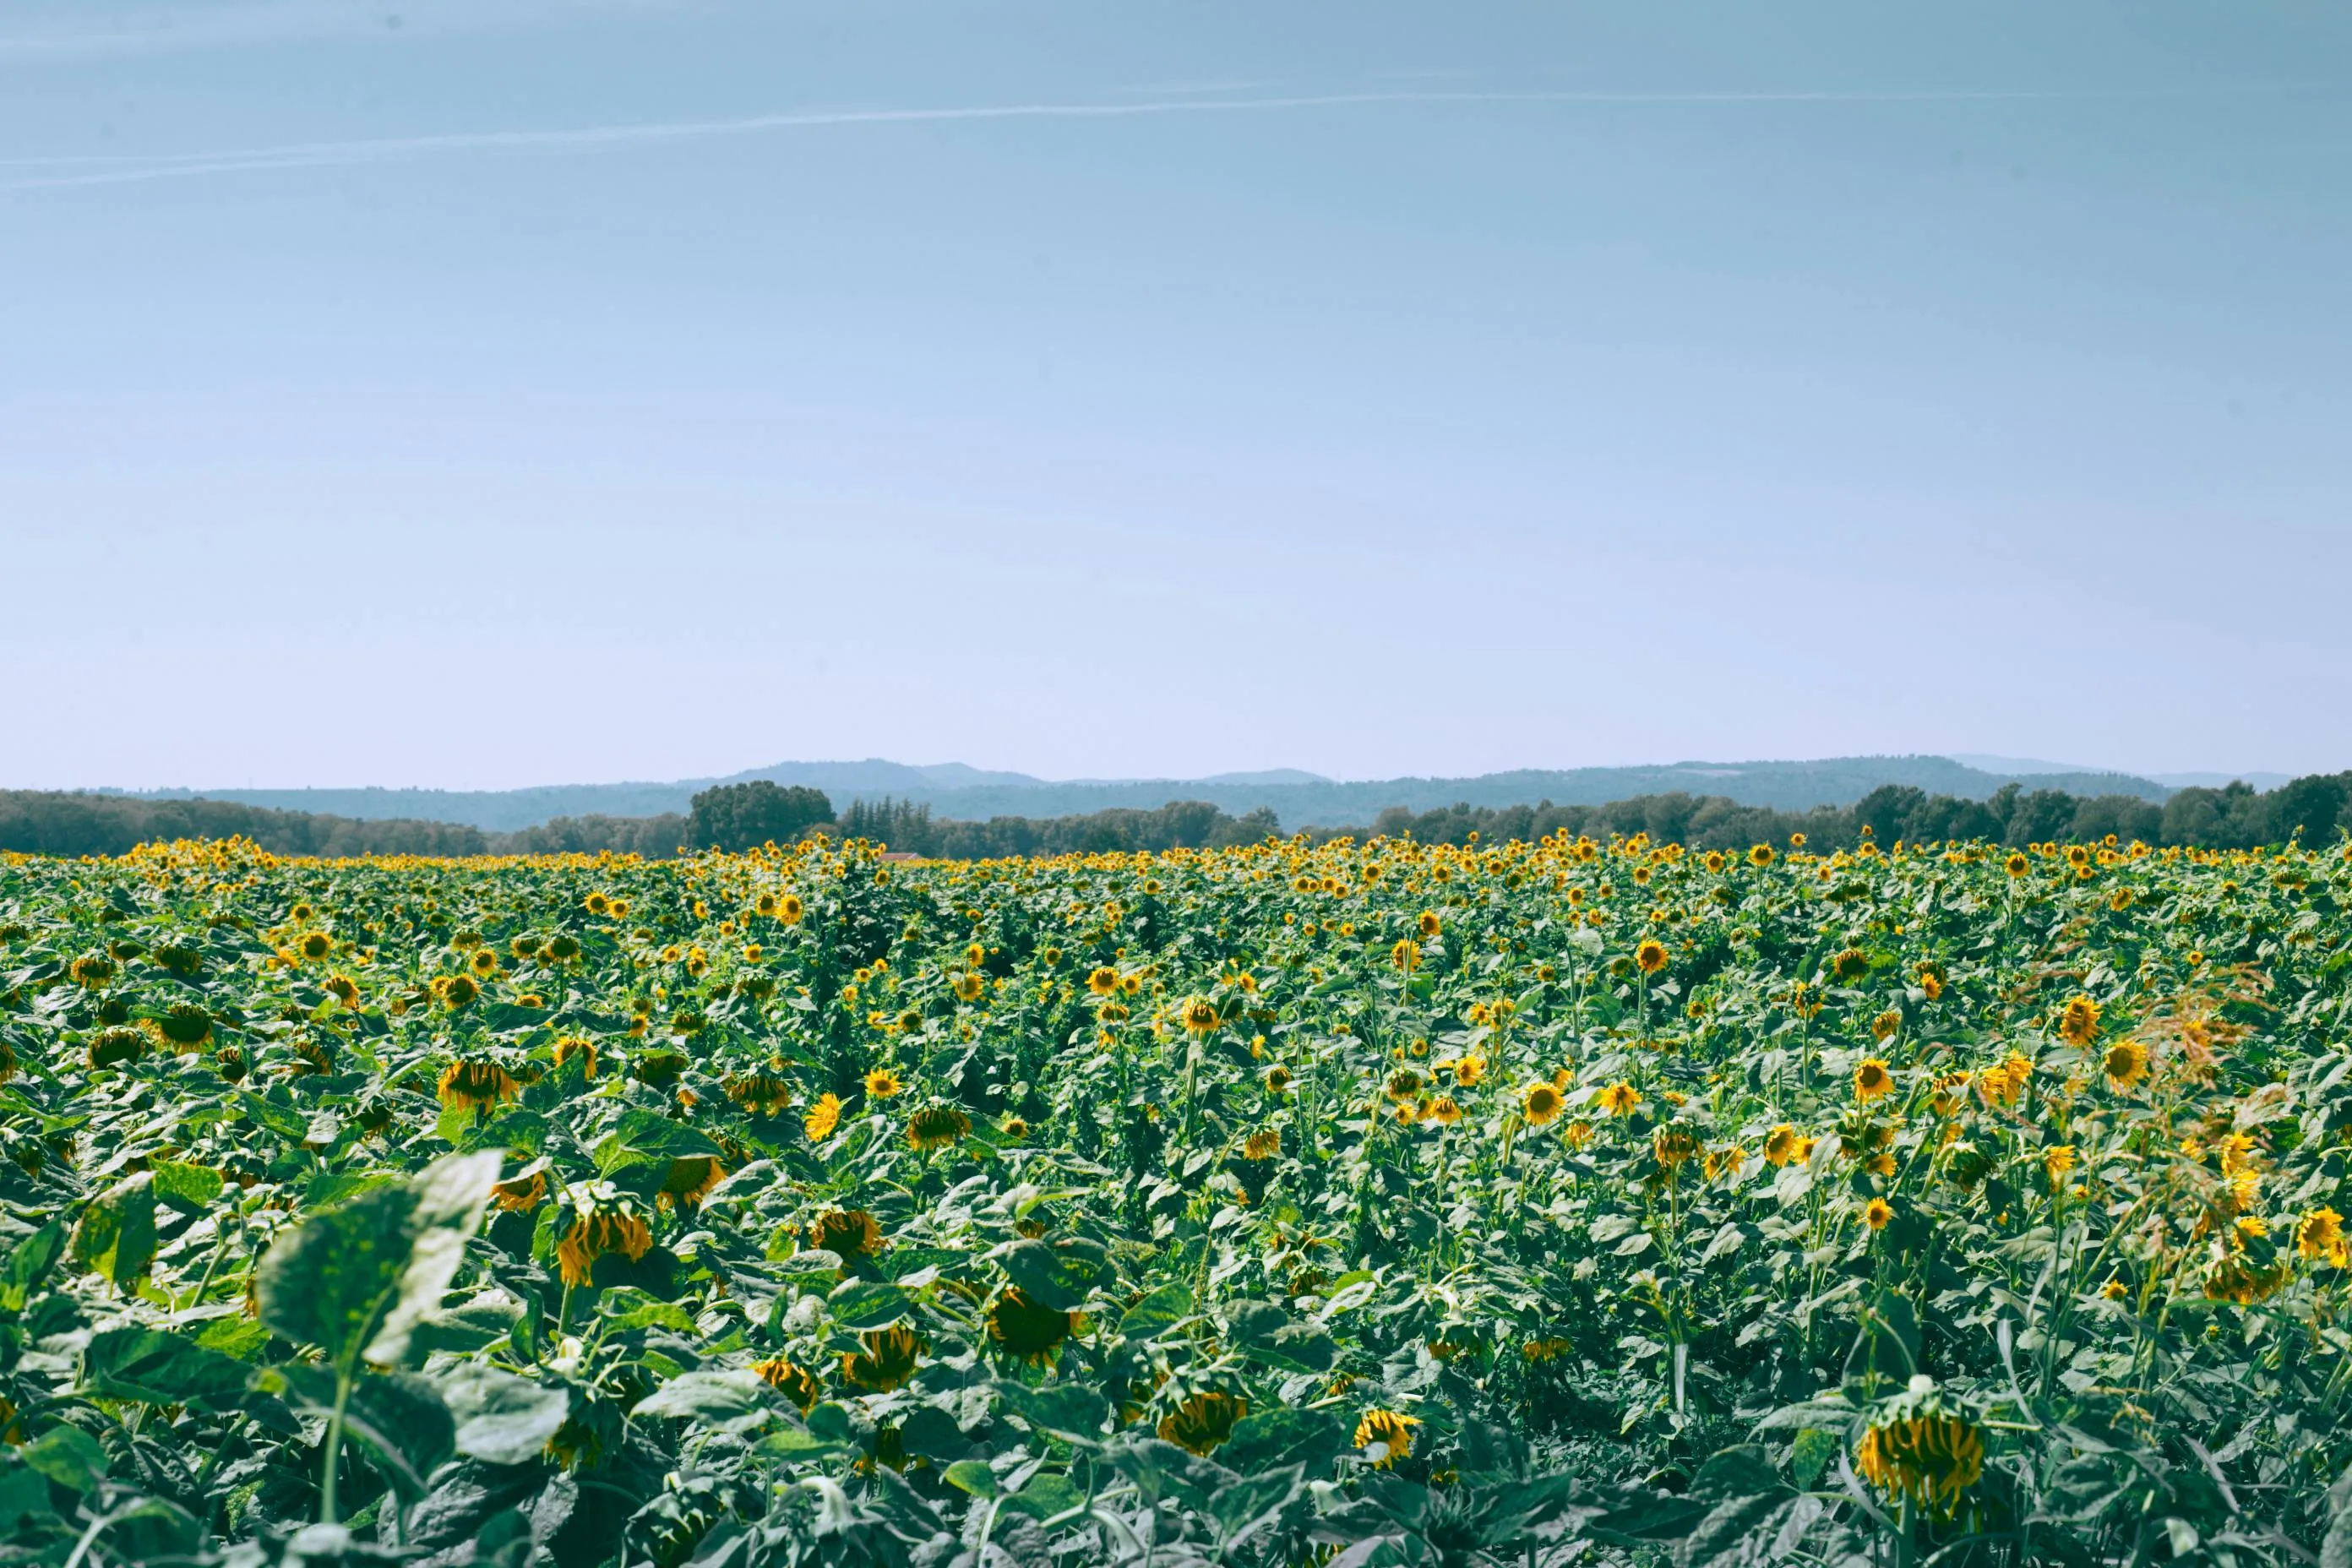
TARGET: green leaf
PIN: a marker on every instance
(283, 1119)
(1269, 1333)
(116, 1236)
(29, 1262)
(67, 1456)
(358, 1279)
(24, 1494)
(1059, 1276)
(1069, 1411)
(191, 1188)
(1253, 1501)
(972, 1476)
(1046, 1495)
(866, 1303)
(155, 1368)
(728, 1399)
(502, 1419)
(1286, 1435)
(1159, 1312)
(647, 1136)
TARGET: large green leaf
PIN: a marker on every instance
(357, 1279)
(1058, 1276)
(157, 1368)
(116, 1236)
(501, 1418)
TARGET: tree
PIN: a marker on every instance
(742, 817)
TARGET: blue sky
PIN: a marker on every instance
(474, 395)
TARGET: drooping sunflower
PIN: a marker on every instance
(690, 1180)
(604, 1220)
(579, 1049)
(761, 1093)
(797, 1383)
(1023, 1328)
(1202, 1421)
(1672, 1145)
(1620, 1098)
(2319, 1236)
(1443, 1111)
(1385, 1436)
(1199, 1015)
(2078, 1023)
(113, 1048)
(886, 1359)
(1931, 1457)
(846, 1233)
(1405, 954)
(477, 1082)
(937, 1127)
(185, 1026)
(1264, 1143)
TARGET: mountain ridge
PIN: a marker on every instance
(1299, 799)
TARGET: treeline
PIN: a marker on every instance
(2311, 809)
(1179, 825)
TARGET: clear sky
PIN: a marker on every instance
(487, 393)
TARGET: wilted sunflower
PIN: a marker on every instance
(797, 1385)
(761, 1093)
(823, 1118)
(1620, 1098)
(522, 1192)
(1023, 1328)
(477, 1082)
(887, 1360)
(690, 1180)
(186, 1026)
(1202, 1421)
(113, 1048)
(579, 1049)
(1263, 1145)
(2078, 1025)
(1672, 1145)
(1443, 1111)
(846, 1233)
(604, 1220)
(937, 1127)
(1931, 1457)
(92, 970)
(1385, 1436)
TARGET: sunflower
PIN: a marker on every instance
(1385, 1436)
(1673, 1145)
(185, 1026)
(1540, 1102)
(1202, 1421)
(522, 1192)
(796, 1384)
(1780, 1144)
(1876, 1213)
(477, 1082)
(690, 1180)
(2078, 1025)
(1199, 1016)
(1650, 957)
(1871, 1079)
(846, 1233)
(887, 1361)
(1021, 1327)
(314, 945)
(597, 904)
(937, 1127)
(1277, 1079)
(2017, 865)
(968, 986)
(761, 1093)
(579, 1049)
(604, 1221)
(1620, 1098)
(1428, 923)
(1102, 980)
(1929, 1458)
(456, 992)
(113, 1048)
(92, 970)
(823, 1118)
(1405, 954)
(2126, 1064)
(1884, 1026)
(2058, 1160)
(485, 963)
(1263, 1145)
(1469, 1070)
(1443, 1111)
(2320, 1235)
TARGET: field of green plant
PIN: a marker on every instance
(1375, 1204)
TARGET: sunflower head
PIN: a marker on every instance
(823, 1117)
(846, 1233)
(937, 1127)
(1385, 1436)
(2078, 1022)
(1540, 1102)
(1872, 1080)
(1650, 956)
(1021, 1327)
(883, 1083)
(1199, 1016)
(1202, 1421)
(1620, 1098)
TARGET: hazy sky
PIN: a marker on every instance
(476, 394)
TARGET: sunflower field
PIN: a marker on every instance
(1361, 1204)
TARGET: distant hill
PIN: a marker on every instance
(955, 792)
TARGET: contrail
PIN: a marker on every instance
(101, 170)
